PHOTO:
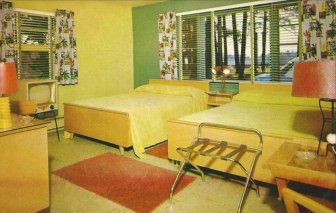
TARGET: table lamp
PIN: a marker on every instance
(8, 84)
(223, 73)
(317, 79)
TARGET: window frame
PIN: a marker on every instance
(21, 48)
(250, 37)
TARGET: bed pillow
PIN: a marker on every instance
(275, 97)
(198, 96)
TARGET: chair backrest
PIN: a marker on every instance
(293, 199)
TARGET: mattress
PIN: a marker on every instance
(149, 107)
(270, 112)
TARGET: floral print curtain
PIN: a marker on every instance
(65, 66)
(319, 29)
(6, 32)
(167, 45)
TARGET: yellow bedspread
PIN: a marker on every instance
(274, 113)
(149, 108)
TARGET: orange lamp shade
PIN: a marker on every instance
(8, 80)
(315, 79)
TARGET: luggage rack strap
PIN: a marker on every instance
(221, 145)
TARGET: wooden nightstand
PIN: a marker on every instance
(286, 166)
(219, 98)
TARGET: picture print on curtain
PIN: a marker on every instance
(6, 32)
(319, 29)
(167, 46)
(65, 66)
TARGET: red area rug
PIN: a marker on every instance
(160, 151)
(131, 183)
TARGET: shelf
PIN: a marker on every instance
(219, 98)
(214, 104)
(224, 94)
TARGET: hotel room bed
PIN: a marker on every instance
(278, 116)
(137, 118)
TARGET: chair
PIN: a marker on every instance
(224, 150)
(294, 199)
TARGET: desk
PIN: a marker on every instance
(285, 167)
(24, 177)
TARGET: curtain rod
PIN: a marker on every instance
(33, 12)
(230, 7)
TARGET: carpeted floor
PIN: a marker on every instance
(216, 194)
(136, 185)
(160, 150)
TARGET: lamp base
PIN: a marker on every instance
(5, 115)
(331, 119)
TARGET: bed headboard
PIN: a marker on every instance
(275, 87)
(203, 85)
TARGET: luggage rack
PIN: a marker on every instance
(199, 147)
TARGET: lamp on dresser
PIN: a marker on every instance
(317, 79)
(8, 84)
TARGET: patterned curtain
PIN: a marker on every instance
(66, 56)
(6, 32)
(319, 29)
(167, 45)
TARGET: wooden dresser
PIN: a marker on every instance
(24, 176)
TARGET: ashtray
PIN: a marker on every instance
(305, 156)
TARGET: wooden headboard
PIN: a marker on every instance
(203, 85)
(274, 87)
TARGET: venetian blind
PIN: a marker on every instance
(33, 38)
(232, 41)
(195, 47)
(289, 40)
(276, 34)
(276, 41)
(262, 46)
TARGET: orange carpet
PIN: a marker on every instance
(160, 150)
(128, 182)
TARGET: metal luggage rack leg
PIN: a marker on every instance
(199, 141)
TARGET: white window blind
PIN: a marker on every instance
(33, 38)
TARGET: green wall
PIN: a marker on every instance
(145, 33)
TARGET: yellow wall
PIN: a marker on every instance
(104, 47)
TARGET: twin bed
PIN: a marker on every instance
(138, 118)
(156, 112)
(268, 108)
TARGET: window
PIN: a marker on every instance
(277, 35)
(33, 44)
(232, 42)
(257, 42)
(195, 46)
